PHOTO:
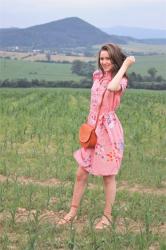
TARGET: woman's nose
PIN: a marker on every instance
(104, 62)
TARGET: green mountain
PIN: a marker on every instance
(66, 33)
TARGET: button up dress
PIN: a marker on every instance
(105, 159)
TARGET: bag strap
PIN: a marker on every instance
(100, 107)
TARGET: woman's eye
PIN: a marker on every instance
(107, 59)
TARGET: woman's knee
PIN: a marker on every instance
(82, 175)
(109, 179)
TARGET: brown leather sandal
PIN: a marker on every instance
(105, 222)
(69, 218)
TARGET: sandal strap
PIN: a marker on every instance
(68, 220)
(109, 219)
(103, 224)
(74, 206)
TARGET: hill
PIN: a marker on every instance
(66, 33)
(70, 32)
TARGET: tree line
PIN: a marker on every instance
(85, 69)
(149, 81)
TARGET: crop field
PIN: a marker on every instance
(143, 63)
(19, 69)
(34, 56)
(145, 48)
(38, 135)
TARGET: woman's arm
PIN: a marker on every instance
(114, 85)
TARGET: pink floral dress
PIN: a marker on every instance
(105, 158)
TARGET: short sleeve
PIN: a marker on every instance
(97, 75)
(124, 83)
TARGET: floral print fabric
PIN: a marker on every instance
(106, 157)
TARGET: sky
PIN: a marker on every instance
(100, 13)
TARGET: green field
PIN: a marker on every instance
(17, 69)
(144, 48)
(143, 63)
(38, 134)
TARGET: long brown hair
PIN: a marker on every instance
(116, 56)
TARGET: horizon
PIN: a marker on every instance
(114, 26)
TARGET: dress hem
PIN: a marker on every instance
(96, 174)
(87, 168)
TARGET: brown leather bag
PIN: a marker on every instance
(87, 134)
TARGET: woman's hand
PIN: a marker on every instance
(129, 61)
(114, 84)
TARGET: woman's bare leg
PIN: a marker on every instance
(79, 188)
(110, 193)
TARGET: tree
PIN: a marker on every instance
(77, 67)
(159, 79)
(48, 57)
(82, 68)
(152, 72)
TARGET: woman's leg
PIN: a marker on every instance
(79, 187)
(110, 193)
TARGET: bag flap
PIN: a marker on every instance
(85, 132)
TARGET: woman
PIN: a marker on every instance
(105, 159)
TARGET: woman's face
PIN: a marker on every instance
(105, 61)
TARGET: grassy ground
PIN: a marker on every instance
(16, 69)
(43, 56)
(19, 69)
(145, 48)
(37, 172)
(143, 63)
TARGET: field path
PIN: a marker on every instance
(25, 180)
(122, 186)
